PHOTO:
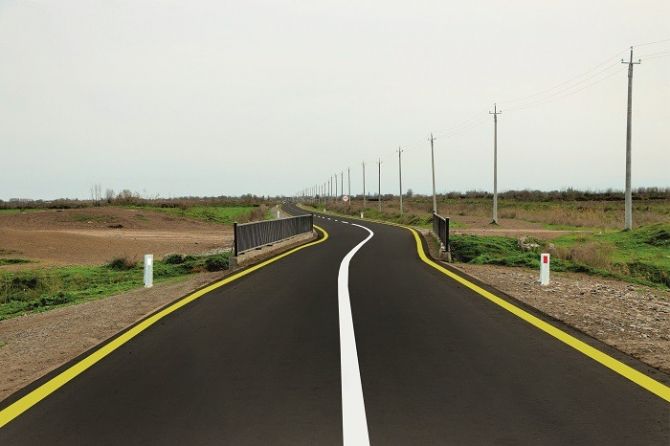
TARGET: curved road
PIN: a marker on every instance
(310, 350)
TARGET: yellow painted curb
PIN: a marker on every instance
(657, 388)
(35, 396)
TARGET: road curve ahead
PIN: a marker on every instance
(352, 340)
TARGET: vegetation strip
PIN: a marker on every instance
(35, 396)
(31, 291)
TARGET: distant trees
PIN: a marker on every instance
(96, 194)
(109, 196)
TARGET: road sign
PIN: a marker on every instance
(345, 198)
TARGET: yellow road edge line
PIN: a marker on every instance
(646, 382)
(639, 378)
(35, 396)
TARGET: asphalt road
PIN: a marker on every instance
(259, 361)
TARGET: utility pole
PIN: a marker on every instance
(495, 114)
(349, 185)
(363, 163)
(379, 185)
(400, 175)
(335, 196)
(432, 163)
(628, 218)
(342, 183)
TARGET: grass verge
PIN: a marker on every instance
(35, 291)
(12, 261)
(639, 256)
(214, 214)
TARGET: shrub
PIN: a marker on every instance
(25, 283)
(122, 264)
(659, 237)
(217, 263)
(174, 259)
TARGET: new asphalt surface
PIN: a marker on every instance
(257, 362)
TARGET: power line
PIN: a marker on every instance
(542, 102)
(651, 43)
(588, 72)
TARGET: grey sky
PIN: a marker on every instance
(208, 98)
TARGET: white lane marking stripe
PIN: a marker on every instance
(354, 421)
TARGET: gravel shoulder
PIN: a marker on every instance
(632, 318)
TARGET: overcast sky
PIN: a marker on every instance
(267, 97)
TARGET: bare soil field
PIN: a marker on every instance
(97, 235)
(507, 227)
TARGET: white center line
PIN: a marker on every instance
(354, 422)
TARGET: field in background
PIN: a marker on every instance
(582, 234)
(54, 257)
(215, 214)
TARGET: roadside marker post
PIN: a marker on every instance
(545, 262)
(148, 270)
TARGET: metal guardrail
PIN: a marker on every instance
(441, 230)
(252, 235)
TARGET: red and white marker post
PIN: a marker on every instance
(545, 262)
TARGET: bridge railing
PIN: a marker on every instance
(253, 235)
(441, 230)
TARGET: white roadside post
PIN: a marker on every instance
(148, 270)
(545, 262)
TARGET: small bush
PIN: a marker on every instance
(48, 301)
(217, 263)
(659, 237)
(174, 259)
(25, 283)
(648, 272)
(122, 264)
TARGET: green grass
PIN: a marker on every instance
(12, 261)
(639, 256)
(213, 214)
(35, 291)
(16, 211)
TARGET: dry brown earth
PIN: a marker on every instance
(97, 235)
